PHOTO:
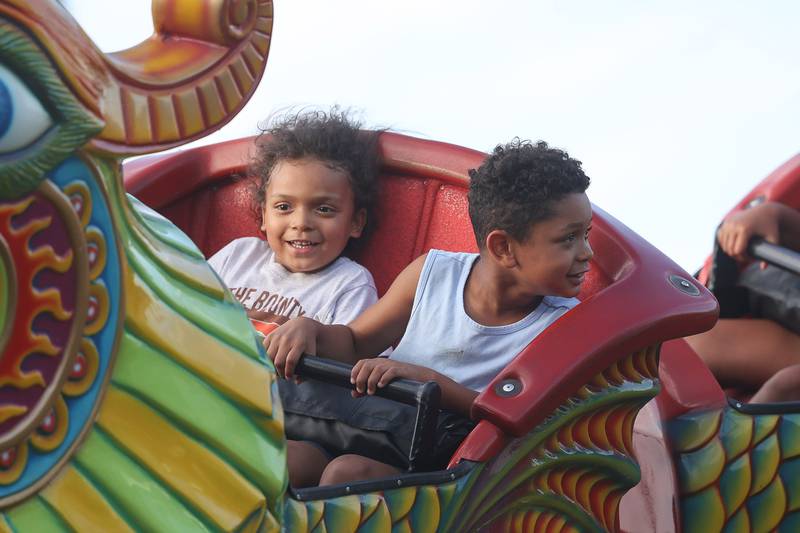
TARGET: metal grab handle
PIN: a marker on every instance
(775, 255)
(425, 396)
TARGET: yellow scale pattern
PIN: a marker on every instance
(409, 509)
(737, 471)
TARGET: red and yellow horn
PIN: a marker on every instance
(198, 69)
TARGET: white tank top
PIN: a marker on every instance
(440, 335)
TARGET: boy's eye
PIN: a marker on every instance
(326, 209)
(588, 230)
(283, 206)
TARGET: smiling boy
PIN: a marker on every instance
(309, 214)
(317, 184)
(460, 318)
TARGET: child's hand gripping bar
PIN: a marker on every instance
(425, 396)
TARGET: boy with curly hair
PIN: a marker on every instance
(316, 191)
(460, 318)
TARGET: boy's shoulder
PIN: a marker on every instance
(459, 258)
(441, 266)
(349, 271)
(243, 250)
(244, 245)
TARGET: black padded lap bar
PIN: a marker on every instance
(425, 396)
(400, 390)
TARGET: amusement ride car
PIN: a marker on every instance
(135, 394)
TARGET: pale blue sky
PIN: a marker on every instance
(676, 109)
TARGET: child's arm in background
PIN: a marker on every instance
(776, 223)
(371, 333)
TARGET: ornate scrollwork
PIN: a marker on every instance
(56, 257)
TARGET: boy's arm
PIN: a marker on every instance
(790, 227)
(371, 333)
(371, 374)
(456, 397)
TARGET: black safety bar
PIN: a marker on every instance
(425, 396)
(775, 255)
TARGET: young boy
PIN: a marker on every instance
(316, 192)
(463, 317)
(317, 187)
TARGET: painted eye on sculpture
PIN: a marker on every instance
(23, 120)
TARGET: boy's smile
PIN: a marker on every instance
(309, 214)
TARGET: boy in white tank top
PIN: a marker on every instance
(450, 312)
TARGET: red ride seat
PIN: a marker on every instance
(629, 301)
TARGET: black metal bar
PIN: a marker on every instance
(425, 396)
(400, 390)
(437, 477)
(775, 255)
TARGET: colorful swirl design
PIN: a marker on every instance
(61, 324)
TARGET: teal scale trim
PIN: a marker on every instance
(790, 524)
(790, 473)
(758, 485)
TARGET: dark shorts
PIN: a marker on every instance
(381, 429)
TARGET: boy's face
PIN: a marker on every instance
(555, 257)
(309, 214)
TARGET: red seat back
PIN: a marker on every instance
(422, 204)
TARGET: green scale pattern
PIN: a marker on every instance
(737, 471)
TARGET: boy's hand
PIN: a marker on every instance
(286, 344)
(737, 230)
(370, 374)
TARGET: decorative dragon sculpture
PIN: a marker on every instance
(133, 392)
(130, 390)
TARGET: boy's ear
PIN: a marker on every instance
(498, 245)
(359, 221)
(264, 222)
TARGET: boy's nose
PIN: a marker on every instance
(586, 252)
(301, 219)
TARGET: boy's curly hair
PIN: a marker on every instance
(333, 138)
(517, 185)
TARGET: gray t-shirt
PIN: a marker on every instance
(336, 294)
